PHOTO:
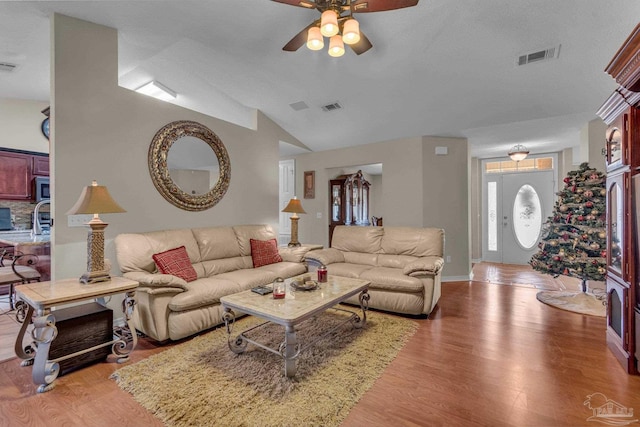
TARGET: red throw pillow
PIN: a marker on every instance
(176, 262)
(264, 252)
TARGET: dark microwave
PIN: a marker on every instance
(41, 188)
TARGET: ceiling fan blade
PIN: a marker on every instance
(299, 39)
(363, 45)
(308, 4)
(363, 6)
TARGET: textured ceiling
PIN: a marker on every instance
(441, 68)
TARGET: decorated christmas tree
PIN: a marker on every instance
(574, 240)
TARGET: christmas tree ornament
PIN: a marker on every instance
(588, 194)
(594, 246)
(564, 208)
(602, 234)
(589, 204)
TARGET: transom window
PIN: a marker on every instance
(526, 165)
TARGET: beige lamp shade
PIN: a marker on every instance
(329, 23)
(95, 199)
(351, 32)
(336, 46)
(314, 39)
(294, 206)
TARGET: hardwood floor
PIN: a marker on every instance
(490, 355)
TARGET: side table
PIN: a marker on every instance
(40, 297)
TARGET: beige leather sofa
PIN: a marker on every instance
(404, 264)
(169, 307)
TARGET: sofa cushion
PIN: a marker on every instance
(176, 262)
(395, 261)
(285, 269)
(244, 233)
(360, 258)
(264, 252)
(216, 242)
(135, 251)
(249, 278)
(392, 279)
(203, 292)
(414, 241)
(347, 270)
(357, 239)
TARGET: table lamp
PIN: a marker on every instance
(95, 199)
(294, 207)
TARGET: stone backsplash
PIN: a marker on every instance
(21, 211)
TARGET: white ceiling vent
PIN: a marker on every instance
(331, 107)
(538, 56)
(300, 105)
(7, 66)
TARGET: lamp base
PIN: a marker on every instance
(95, 277)
(294, 244)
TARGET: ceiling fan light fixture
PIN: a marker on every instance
(314, 39)
(518, 152)
(336, 46)
(351, 31)
(329, 23)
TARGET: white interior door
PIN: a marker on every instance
(515, 207)
(287, 191)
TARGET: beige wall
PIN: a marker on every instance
(419, 189)
(447, 200)
(103, 132)
(20, 121)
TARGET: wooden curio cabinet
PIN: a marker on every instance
(622, 143)
(348, 201)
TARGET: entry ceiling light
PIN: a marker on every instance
(329, 27)
(518, 152)
(157, 90)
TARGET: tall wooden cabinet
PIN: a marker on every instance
(349, 201)
(621, 113)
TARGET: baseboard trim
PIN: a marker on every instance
(457, 278)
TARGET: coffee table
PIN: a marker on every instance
(295, 308)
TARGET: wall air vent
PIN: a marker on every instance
(331, 107)
(7, 66)
(538, 56)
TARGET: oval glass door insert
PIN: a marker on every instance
(527, 216)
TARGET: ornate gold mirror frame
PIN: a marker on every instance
(159, 152)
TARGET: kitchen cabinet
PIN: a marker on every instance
(17, 170)
(41, 165)
(15, 176)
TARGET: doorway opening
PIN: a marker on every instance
(517, 198)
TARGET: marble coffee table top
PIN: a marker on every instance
(297, 305)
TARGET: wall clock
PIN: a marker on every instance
(45, 127)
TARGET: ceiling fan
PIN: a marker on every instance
(337, 23)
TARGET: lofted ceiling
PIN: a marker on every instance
(441, 68)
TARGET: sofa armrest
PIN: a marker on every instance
(325, 256)
(427, 264)
(293, 254)
(156, 280)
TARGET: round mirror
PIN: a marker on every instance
(189, 165)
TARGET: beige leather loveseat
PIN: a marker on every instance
(404, 264)
(169, 307)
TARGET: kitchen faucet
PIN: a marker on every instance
(37, 227)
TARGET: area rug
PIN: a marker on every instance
(201, 382)
(578, 302)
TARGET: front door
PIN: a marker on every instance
(515, 207)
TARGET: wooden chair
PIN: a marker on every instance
(20, 271)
